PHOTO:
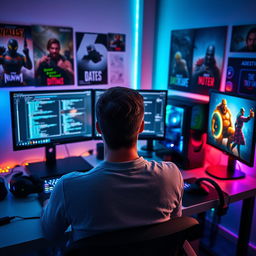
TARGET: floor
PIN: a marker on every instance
(218, 244)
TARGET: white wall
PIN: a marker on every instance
(99, 16)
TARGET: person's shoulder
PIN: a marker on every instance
(163, 166)
(79, 175)
(167, 172)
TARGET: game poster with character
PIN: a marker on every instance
(208, 56)
(243, 38)
(182, 42)
(241, 76)
(116, 42)
(16, 55)
(91, 54)
(53, 55)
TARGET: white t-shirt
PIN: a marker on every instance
(113, 196)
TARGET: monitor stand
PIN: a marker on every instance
(147, 150)
(53, 167)
(223, 172)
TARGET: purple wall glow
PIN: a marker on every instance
(184, 14)
(98, 16)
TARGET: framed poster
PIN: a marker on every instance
(196, 59)
(243, 38)
(16, 55)
(53, 55)
(241, 76)
(91, 54)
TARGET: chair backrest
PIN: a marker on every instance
(165, 238)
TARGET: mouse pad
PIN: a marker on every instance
(192, 199)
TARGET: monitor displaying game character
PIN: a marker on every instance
(231, 129)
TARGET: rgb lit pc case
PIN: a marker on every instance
(185, 132)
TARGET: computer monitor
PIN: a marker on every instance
(154, 117)
(231, 129)
(48, 118)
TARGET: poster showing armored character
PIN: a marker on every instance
(53, 55)
(181, 59)
(243, 38)
(208, 56)
(16, 55)
(116, 42)
(91, 55)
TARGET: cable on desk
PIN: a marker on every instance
(27, 218)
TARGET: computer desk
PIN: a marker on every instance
(21, 235)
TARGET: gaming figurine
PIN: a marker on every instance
(238, 135)
(222, 124)
(12, 62)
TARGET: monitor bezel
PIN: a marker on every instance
(94, 134)
(62, 141)
(150, 137)
(144, 137)
(249, 163)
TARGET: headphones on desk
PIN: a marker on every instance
(21, 185)
(222, 207)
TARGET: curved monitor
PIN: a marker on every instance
(45, 118)
(231, 129)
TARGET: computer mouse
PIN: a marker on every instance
(196, 189)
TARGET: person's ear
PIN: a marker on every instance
(98, 128)
(142, 126)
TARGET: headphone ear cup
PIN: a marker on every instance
(21, 186)
(38, 184)
(222, 207)
(3, 189)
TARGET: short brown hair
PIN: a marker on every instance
(119, 112)
(52, 41)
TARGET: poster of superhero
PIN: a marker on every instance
(91, 54)
(243, 38)
(53, 55)
(182, 42)
(231, 124)
(116, 42)
(208, 56)
(16, 55)
(241, 76)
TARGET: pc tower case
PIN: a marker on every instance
(185, 132)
